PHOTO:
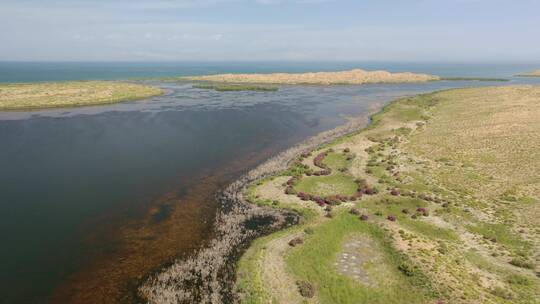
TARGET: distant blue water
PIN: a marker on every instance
(50, 71)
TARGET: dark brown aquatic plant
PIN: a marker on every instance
(208, 275)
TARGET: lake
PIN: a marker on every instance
(93, 199)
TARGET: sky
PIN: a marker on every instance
(269, 30)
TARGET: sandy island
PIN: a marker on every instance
(356, 76)
(22, 96)
(530, 74)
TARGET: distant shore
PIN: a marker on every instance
(356, 76)
(28, 96)
(530, 74)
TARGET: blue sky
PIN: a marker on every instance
(256, 30)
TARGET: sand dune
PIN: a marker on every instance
(356, 76)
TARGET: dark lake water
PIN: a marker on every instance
(71, 180)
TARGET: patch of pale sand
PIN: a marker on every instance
(361, 259)
(274, 190)
(357, 145)
(355, 76)
(529, 226)
(424, 252)
(439, 222)
(400, 243)
(277, 280)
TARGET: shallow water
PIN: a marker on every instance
(93, 198)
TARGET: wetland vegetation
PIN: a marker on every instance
(455, 220)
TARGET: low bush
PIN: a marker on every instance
(354, 211)
(296, 241)
(306, 289)
(521, 262)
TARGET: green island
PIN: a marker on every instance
(223, 87)
(436, 201)
(530, 74)
(21, 96)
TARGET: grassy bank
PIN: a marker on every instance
(70, 94)
(454, 218)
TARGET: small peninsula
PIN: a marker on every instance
(530, 74)
(356, 76)
(22, 96)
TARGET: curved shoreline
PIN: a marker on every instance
(208, 276)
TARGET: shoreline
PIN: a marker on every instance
(210, 266)
(365, 216)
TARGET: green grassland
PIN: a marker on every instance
(313, 263)
(70, 94)
(327, 185)
(457, 217)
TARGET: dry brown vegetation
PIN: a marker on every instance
(355, 76)
(70, 94)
